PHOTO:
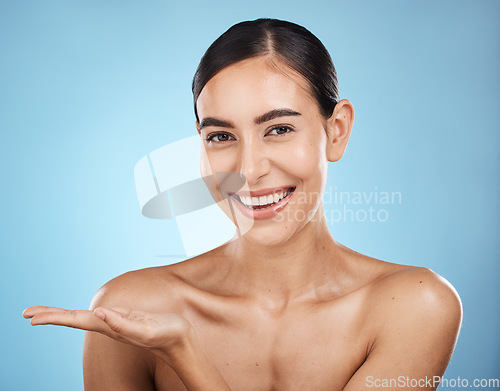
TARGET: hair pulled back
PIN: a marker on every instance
(288, 42)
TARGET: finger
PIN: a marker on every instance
(32, 311)
(117, 312)
(116, 320)
(81, 319)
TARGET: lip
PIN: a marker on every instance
(262, 214)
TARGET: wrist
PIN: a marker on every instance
(182, 349)
(193, 365)
(179, 346)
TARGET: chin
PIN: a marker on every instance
(274, 234)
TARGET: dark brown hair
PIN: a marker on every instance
(290, 43)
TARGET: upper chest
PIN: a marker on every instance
(308, 347)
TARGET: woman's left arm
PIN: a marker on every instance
(417, 325)
(168, 336)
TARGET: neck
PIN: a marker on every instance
(293, 270)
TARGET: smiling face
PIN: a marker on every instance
(258, 119)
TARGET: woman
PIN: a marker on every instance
(283, 306)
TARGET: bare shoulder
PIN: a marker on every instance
(388, 285)
(154, 289)
(413, 317)
(415, 298)
(406, 297)
(419, 286)
(144, 289)
(109, 364)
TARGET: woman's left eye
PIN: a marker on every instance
(279, 130)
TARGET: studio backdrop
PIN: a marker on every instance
(88, 89)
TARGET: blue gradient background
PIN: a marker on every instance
(87, 88)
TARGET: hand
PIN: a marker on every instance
(161, 333)
(169, 336)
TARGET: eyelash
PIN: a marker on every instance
(211, 136)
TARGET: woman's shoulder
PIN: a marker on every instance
(412, 307)
(406, 292)
(393, 289)
(139, 289)
(421, 282)
(150, 289)
(389, 278)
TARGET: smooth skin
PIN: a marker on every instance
(285, 306)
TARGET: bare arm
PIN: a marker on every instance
(417, 327)
(112, 365)
(121, 345)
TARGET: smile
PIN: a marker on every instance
(262, 204)
(264, 201)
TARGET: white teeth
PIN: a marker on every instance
(280, 196)
(264, 200)
(246, 200)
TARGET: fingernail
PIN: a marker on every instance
(100, 314)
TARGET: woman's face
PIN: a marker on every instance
(259, 120)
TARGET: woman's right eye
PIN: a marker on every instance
(219, 137)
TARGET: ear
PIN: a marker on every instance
(196, 123)
(339, 127)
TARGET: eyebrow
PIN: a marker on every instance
(276, 113)
(270, 115)
(211, 121)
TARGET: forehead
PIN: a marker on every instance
(254, 86)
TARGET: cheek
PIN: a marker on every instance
(205, 168)
(306, 161)
(216, 161)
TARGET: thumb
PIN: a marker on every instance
(114, 319)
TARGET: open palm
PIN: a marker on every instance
(154, 331)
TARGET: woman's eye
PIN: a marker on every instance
(278, 130)
(219, 137)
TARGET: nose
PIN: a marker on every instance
(254, 161)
